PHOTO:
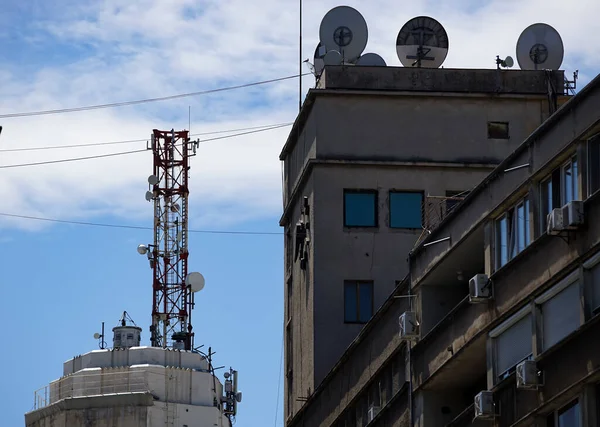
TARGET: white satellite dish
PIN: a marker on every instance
(422, 42)
(344, 29)
(319, 64)
(540, 48)
(333, 57)
(509, 61)
(371, 60)
(142, 249)
(149, 195)
(152, 180)
(195, 281)
(97, 336)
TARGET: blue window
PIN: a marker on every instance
(406, 209)
(358, 301)
(360, 208)
(512, 233)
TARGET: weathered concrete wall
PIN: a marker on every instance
(345, 385)
(576, 120)
(439, 79)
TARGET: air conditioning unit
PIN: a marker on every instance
(480, 288)
(372, 413)
(528, 376)
(555, 222)
(572, 214)
(484, 406)
(408, 325)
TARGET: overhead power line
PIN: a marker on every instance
(254, 129)
(134, 227)
(47, 162)
(147, 100)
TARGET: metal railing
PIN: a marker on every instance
(92, 384)
(435, 209)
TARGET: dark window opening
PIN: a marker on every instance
(358, 301)
(406, 209)
(360, 208)
(498, 130)
(594, 165)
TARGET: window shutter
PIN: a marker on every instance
(513, 345)
(561, 315)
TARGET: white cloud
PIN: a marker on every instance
(126, 50)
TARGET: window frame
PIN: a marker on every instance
(502, 328)
(422, 210)
(504, 134)
(557, 178)
(552, 419)
(375, 193)
(357, 284)
(511, 215)
(572, 279)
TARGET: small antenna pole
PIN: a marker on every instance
(102, 346)
(189, 118)
(300, 61)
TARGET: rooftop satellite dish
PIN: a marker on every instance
(97, 336)
(319, 64)
(333, 57)
(507, 62)
(372, 60)
(152, 180)
(195, 281)
(540, 48)
(344, 29)
(422, 42)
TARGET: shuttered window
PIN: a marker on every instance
(513, 345)
(560, 310)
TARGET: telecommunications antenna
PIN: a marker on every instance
(422, 42)
(540, 48)
(318, 61)
(344, 29)
(371, 60)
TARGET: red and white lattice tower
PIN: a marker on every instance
(173, 298)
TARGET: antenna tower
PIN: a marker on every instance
(173, 297)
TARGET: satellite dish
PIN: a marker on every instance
(97, 336)
(142, 249)
(422, 42)
(195, 281)
(540, 48)
(509, 61)
(344, 29)
(319, 64)
(372, 60)
(333, 57)
(149, 195)
(152, 180)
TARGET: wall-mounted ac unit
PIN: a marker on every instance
(528, 375)
(408, 325)
(572, 214)
(372, 413)
(480, 288)
(555, 222)
(484, 406)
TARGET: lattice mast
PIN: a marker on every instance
(173, 299)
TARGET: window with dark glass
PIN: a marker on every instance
(406, 209)
(360, 208)
(358, 301)
(568, 416)
(497, 130)
(593, 165)
(560, 188)
(512, 233)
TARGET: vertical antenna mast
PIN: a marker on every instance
(173, 297)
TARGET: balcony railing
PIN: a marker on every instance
(92, 384)
(435, 209)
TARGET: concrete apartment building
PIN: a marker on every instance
(497, 322)
(368, 166)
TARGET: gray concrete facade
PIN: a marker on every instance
(380, 130)
(551, 285)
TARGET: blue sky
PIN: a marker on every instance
(61, 281)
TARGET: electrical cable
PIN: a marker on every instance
(254, 129)
(279, 382)
(144, 101)
(135, 227)
(75, 159)
(47, 162)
